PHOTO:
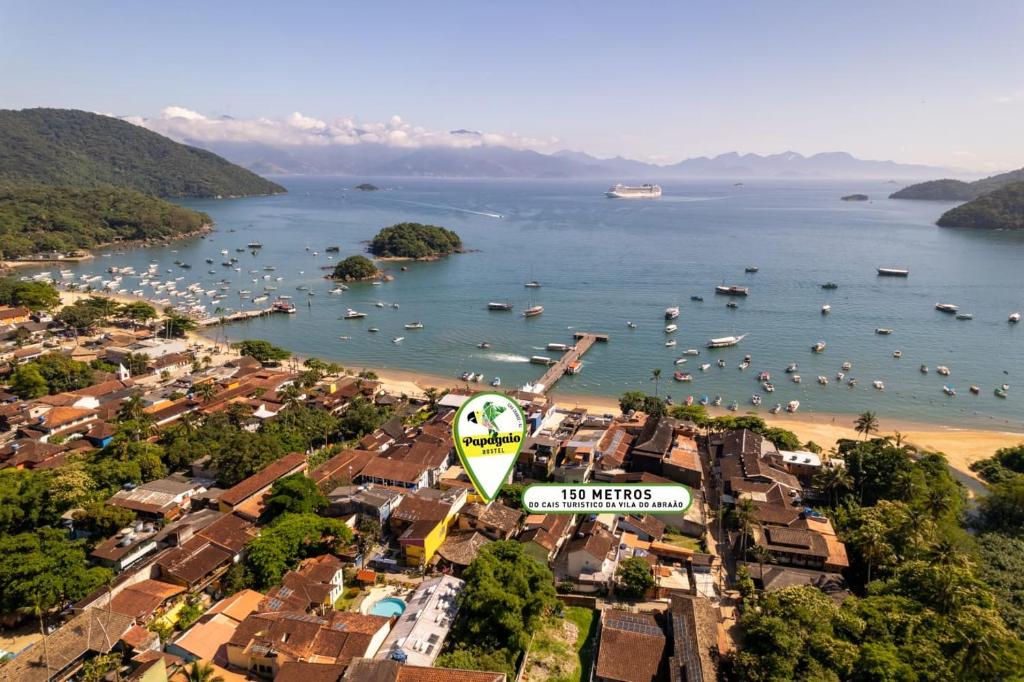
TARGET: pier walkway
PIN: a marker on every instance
(584, 340)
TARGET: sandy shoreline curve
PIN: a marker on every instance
(961, 445)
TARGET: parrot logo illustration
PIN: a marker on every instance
(485, 417)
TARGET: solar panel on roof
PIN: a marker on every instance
(634, 625)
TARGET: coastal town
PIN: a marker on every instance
(234, 511)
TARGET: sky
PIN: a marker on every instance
(934, 82)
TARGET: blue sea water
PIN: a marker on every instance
(605, 262)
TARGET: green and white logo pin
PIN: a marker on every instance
(489, 431)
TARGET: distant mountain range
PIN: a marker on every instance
(376, 160)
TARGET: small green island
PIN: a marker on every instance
(855, 197)
(356, 269)
(948, 189)
(415, 241)
(367, 187)
(1002, 209)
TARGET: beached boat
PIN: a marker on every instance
(733, 406)
(672, 312)
(725, 341)
(819, 347)
(793, 406)
(704, 400)
(497, 305)
(533, 311)
(776, 408)
(669, 328)
(731, 290)
(947, 308)
(893, 272)
(717, 401)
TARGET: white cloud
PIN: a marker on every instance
(297, 129)
(1009, 97)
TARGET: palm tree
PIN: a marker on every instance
(866, 424)
(745, 516)
(763, 556)
(206, 391)
(915, 530)
(431, 395)
(36, 609)
(656, 378)
(203, 672)
(292, 395)
(833, 480)
(873, 546)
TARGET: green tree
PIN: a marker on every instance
(139, 312)
(261, 350)
(414, 240)
(355, 268)
(202, 672)
(744, 515)
(833, 481)
(103, 520)
(656, 378)
(27, 383)
(32, 295)
(60, 372)
(634, 577)
(289, 539)
(361, 417)
(295, 494)
(866, 423)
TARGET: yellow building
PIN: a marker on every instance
(422, 521)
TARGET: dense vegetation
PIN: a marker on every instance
(923, 608)
(38, 218)
(32, 295)
(1003, 465)
(81, 149)
(49, 374)
(414, 240)
(288, 540)
(957, 190)
(507, 594)
(355, 268)
(1000, 209)
(261, 350)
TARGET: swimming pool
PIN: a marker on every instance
(389, 606)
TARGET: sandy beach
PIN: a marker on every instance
(961, 445)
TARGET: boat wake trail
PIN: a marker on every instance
(504, 357)
(449, 208)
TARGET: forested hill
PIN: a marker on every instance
(958, 190)
(1002, 209)
(80, 149)
(39, 218)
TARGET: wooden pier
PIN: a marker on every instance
(584, 340)
(239, 316)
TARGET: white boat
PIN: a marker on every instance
(533, 311)
(823, 380)
(398, 339)
(755, 400)
(948, 390)
(826, 309)
(496, 381)
(532, 284)
(691, 351)
(964, 316)
(796, 378)
(725, 341)
(414, 325)
(379, 304)
(776, 408)
(942, 370)
(793, 406)
(670, 343)
(705, 367)
(672, 312)
(351, 314)
(646, 191)
(743, 365)
(819, 347)
(883, 331)
(631, 325)
(1014, 318)
(792, 367)
(840, 376)
(558, 346)
(893, 272)
(847, 366)
(947, 308)
(880, 385)
(768, 386)
(679, 361)
(669, 328)
(897, 354)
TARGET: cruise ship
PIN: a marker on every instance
(620, 191)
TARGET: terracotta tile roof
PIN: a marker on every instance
(143, 598)
(545, 529)
(494, 514)
(336, 638)
(648, 523)
(694, 638)
(631, 648)
(461, 548)
(62, 416)
(92, 631)
(346, 465)
(594, 539)
(238, 606)
(104, 388)
(301, 671)
(264, 478)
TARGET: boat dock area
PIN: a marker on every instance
(584, 340)
(239, 316)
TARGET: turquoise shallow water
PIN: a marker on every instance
(603, 262)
